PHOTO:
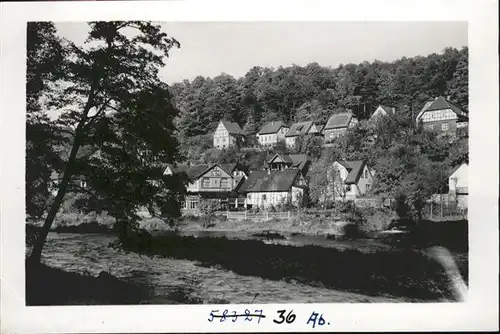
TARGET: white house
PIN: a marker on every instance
(351, 179)
(264, 189)
(272, 132)
(383, 111)
(458, 185)
(338, 124)
(221, 181)
(227, 134)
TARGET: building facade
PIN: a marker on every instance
(266, 189)
(349, 179)
(458, 186)
(218, 181)
(272, 133)
(297, 130)
(443, 116)
(228, 134)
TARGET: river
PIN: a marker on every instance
(183, 281)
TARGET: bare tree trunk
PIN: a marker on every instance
(36, 254)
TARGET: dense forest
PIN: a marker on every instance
(314, 92)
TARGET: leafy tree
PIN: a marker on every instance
(115, 102)
(310, 145)
(45, 56)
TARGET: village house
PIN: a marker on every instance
(382, 111)
(338, 124)
(351, 179)
(300, 129)
(458, 186)
(442, 115)
(289, 161)
(265, 189)
(217, 181)
(228, 134)
(272, 133)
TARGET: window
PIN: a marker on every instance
(215, 183)
(193, 205)
(366, 173)
(216, 172)
(429, 127)
(263, 197)
(444, 127)
(205, 182)
(83, 184)
(224, 183)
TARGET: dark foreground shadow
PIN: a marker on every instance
(403, 273)
(50, 286)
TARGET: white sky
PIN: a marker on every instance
(211, 48)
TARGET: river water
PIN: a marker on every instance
(183, 281)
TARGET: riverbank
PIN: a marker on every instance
(397, 273)
(182, 281)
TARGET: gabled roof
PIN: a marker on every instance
(458, 167)
(320, 127)
(340, 120)
(272, 127)
(386, 109)
(440, 103)
(355, 169)
(233, 128)
(264, 181)
(192, 171)
(298, 129)
(298, 161)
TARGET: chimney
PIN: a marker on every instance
(269, 171)
(448, 98)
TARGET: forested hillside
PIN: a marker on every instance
(314, 92)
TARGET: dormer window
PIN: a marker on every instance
(83, 184)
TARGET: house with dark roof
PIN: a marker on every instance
(442, 115)
(272, 132)
(349, 179)
(300, 129)
(458, 185)
(289, 161)
(338, 124)
(266, 189)
(216, 181)
(382, 111)
(228, 134)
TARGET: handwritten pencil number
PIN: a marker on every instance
(235, 315)
(290, 317)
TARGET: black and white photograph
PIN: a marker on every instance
(282, 182)
(222, 163)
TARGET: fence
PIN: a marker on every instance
(264, 215)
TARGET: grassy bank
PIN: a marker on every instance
(398, 273)
(51, 286)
